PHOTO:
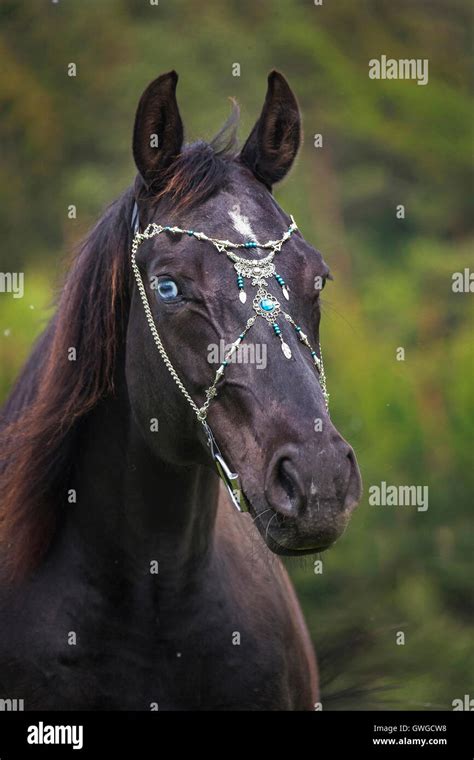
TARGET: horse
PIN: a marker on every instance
(129, 581)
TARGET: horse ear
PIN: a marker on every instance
(274, 141)
(158, 130)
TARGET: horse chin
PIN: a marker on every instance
(285, 539)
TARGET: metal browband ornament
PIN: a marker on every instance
(264, 304)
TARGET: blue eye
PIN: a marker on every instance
(167, 289)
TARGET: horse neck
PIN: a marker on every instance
(133, 509)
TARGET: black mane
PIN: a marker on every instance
(53, 394)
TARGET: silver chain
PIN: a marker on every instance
(200, 412)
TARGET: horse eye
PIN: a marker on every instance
(167, 289)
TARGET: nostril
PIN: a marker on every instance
(354, 486)
(282, 489)
(285, 479)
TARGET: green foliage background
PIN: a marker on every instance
(67, 140)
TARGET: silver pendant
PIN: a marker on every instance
(286, 350)
(243, 296)
(285, 292)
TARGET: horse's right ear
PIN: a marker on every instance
(158, 131)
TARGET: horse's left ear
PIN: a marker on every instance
(274, 141)
(158, 131)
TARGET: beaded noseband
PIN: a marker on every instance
(264, 304)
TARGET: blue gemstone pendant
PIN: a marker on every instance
(267, 305)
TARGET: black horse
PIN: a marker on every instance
(128, 579)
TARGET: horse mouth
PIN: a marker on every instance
(285, 549)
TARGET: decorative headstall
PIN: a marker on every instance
(264, 304)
